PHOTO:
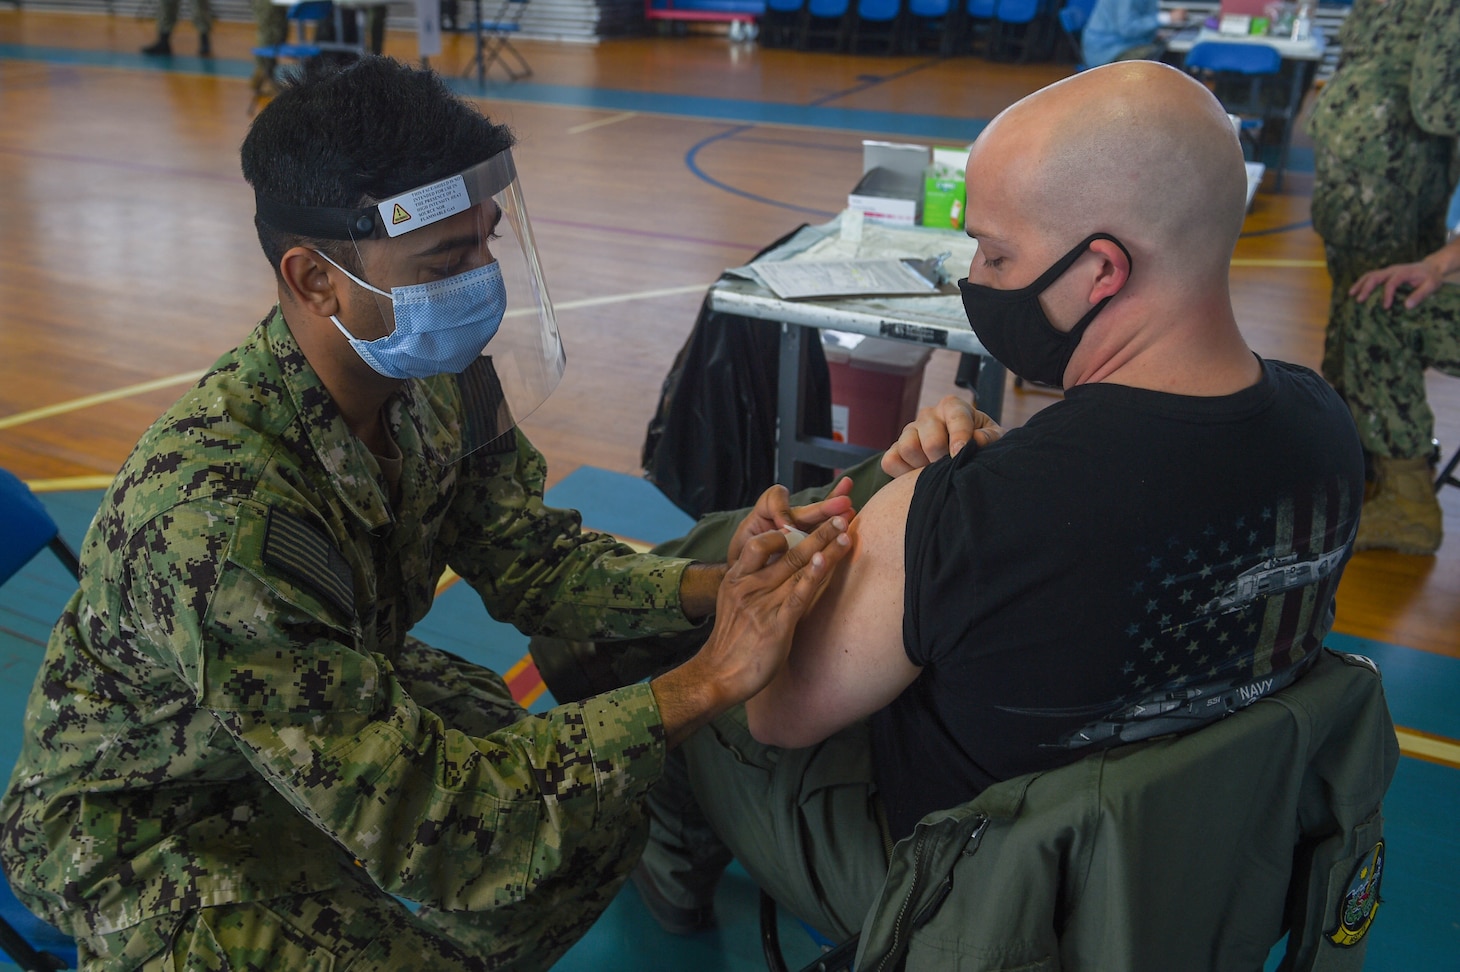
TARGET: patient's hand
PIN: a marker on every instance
(773, 511)
(942, 430)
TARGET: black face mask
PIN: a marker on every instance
(1014, 329)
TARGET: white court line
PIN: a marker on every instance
(101, 398)
(610, 120)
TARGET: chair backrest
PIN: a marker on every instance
(929, 8)
(1017, 11)
(1177, 853)
(827, 8)
(1236, 57)
(879, 10)
(311, 10)
(785, 6)
(1075, 14)
(24, 524)
(982, 9)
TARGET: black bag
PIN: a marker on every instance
(711, 444)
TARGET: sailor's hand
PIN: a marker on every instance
(774, 512)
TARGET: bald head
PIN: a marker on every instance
(1137, 149)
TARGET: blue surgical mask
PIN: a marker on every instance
(440, 327)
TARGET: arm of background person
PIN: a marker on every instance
(847, 659)
(1426, 276)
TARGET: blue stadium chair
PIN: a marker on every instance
(978, 24)
(1221, 63)
(783, 24)
(1073, 17)
(27, 528)
(938, 21)
(1019, 32)
(827, 20)
(877, 20)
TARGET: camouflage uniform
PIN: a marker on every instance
(167, 11)
(1384, 130)
(234, 748)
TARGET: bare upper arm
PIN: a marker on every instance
(847, 659)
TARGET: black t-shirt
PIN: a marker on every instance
(1122, 544)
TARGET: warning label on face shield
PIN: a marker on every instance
(424, 206)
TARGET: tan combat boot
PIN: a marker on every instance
(1403, 513)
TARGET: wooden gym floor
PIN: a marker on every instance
(128, 260)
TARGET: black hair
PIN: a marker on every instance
(351, 135)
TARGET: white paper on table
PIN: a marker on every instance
(794, 279)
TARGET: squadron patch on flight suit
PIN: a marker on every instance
(1360, 903)
(303, 551)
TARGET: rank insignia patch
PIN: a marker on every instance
(1360, 902)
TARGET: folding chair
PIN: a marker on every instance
(936, 21)
(782, 23)
(306, 16)
(1216, 61)
(827, 20)
(494, 44)
(1018, 31)
(1447, 475)
(1073, 17)
(27, 527)
(886, 15)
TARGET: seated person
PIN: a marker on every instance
(1123, 30)
(1385, 361)
(1173, 529)
(237, 755)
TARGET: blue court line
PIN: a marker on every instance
(731, 110)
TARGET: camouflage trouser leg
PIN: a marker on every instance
(203, 15)
(272, 22)
(1385, 360)
(1372, 214)
(358, 926)
(167, 15)
(355, 926)
(535, 932)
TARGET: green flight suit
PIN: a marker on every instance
(1384, 129)
(232, 728)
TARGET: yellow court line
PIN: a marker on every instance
(69, 482)
(1424, 745)
(1255, 262)
(611, 120)
(60, 408)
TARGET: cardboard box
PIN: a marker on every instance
(885, 196)
(943, 188)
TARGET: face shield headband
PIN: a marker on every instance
(461, 297)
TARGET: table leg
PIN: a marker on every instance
(794, 449)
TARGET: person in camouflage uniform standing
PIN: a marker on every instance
(1384, 129)
(236, 754)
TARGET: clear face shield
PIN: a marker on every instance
(459, 293)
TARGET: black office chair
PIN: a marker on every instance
(27, 528)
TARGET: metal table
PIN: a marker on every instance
(933, 321)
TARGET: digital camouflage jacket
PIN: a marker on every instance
(230, 708)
